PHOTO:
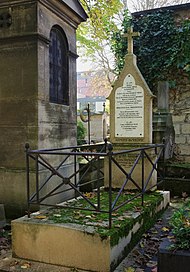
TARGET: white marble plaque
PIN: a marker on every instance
(129, 109)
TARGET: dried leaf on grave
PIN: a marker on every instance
(40, 217)
(57, 215)
(25, 265)
(114, 214)
(89, 195)
(146, 235)
(129, 269)
(14, 263)
(120, 218)
(88, 216)
(165, 229)
(187, 222)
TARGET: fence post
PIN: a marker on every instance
(164, 167)
(98, 182)
(75, 170)
(27, 147)
(110, 148)
(37, 178)
(142, 197)
(106, 143)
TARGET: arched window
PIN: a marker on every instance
(58, 67)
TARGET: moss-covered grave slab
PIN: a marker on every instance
(85, 241)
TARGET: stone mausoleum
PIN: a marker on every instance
(37, 86)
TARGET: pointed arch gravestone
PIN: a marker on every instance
(130, 118)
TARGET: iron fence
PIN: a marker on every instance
(44, 163)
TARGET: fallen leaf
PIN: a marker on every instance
(89, 195)
(114, 214)
(57, 215)
(154, 232)
(129, 269)
(151, 264)
(25, 265)
(139, 270)
(88, 216)
(40, 217)
(120, 218)
(141, 244)
(165, 229)
(155, 269)
(14, 263)
(155, 239)
(117, 226)
(171, 237)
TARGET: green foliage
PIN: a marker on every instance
(94, 35)
(163, 48)
(180, 223)
(81, 133)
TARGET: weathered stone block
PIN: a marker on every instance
(178, 118)
(180, 139)
(177, 128)
(185, 128)
(184, 149)
(188, 139)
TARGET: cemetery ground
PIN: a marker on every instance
(143, 257)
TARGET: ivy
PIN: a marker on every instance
(162, 50)
(81, 133)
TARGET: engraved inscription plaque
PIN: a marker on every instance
(129, 109)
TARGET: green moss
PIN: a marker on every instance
(180, 165)
(123, 219)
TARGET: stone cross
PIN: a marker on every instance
(130, 34)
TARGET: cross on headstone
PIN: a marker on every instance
(5, 20)
(130, 34)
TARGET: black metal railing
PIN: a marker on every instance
(44, 163)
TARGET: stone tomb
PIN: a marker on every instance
(80, 246)
(130, 119)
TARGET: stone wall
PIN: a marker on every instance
(180, 108)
